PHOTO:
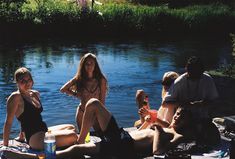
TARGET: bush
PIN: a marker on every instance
(178, 3)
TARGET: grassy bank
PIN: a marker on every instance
(66, 18)
(224, 78)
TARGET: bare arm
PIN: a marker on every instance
(12, 106)
(66, 88)
(162, 123)
(103, 91)
(157, 141)
(146, 123)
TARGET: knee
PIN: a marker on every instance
(92, 104)
(73, 136)
(71, 127)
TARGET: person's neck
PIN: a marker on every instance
(89, 75)
(193, 78)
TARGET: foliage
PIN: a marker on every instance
(227, 69)
(163, 18)
(63, 15)
(49, 11)
(178, 3)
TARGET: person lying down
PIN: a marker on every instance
(117, 141)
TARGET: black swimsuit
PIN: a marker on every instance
(31, 120)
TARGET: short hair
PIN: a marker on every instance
(20, 73)
(195, 67)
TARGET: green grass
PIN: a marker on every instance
(227, 70)
(119, 17)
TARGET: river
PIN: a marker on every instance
(128, 65)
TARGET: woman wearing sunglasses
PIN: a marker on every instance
(25, 105)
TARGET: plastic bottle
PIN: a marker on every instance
(87, 139)
(146, 102)
(49, 145)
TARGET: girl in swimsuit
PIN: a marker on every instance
(26, 106)
(165, 113)
(89, 82)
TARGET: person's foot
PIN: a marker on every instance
(20, 139)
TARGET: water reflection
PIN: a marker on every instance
(128, 66)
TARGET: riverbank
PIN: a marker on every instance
(226, 104)
(62, 19)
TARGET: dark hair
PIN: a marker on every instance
(194, 67)
(187, 118)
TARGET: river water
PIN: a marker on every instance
(128, 66)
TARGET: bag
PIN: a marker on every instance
(177, 153)
(208, 134)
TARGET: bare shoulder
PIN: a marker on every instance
(72, 81)
(15, 97)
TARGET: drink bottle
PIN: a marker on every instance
(49, 145)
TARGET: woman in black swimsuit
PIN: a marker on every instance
(26, 106)
(89, 82)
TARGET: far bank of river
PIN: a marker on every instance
(226, 104)
(60, 19)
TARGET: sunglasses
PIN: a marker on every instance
(23, 81)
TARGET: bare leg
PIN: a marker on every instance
(94, 109)
(65, 137)
(21, 137)
(78, 118)
(77, 151)
(37, 141)
(63, 127)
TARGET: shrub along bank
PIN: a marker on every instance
(61, 17)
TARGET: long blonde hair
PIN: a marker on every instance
(167, 80)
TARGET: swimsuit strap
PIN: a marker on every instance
(92, 91)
